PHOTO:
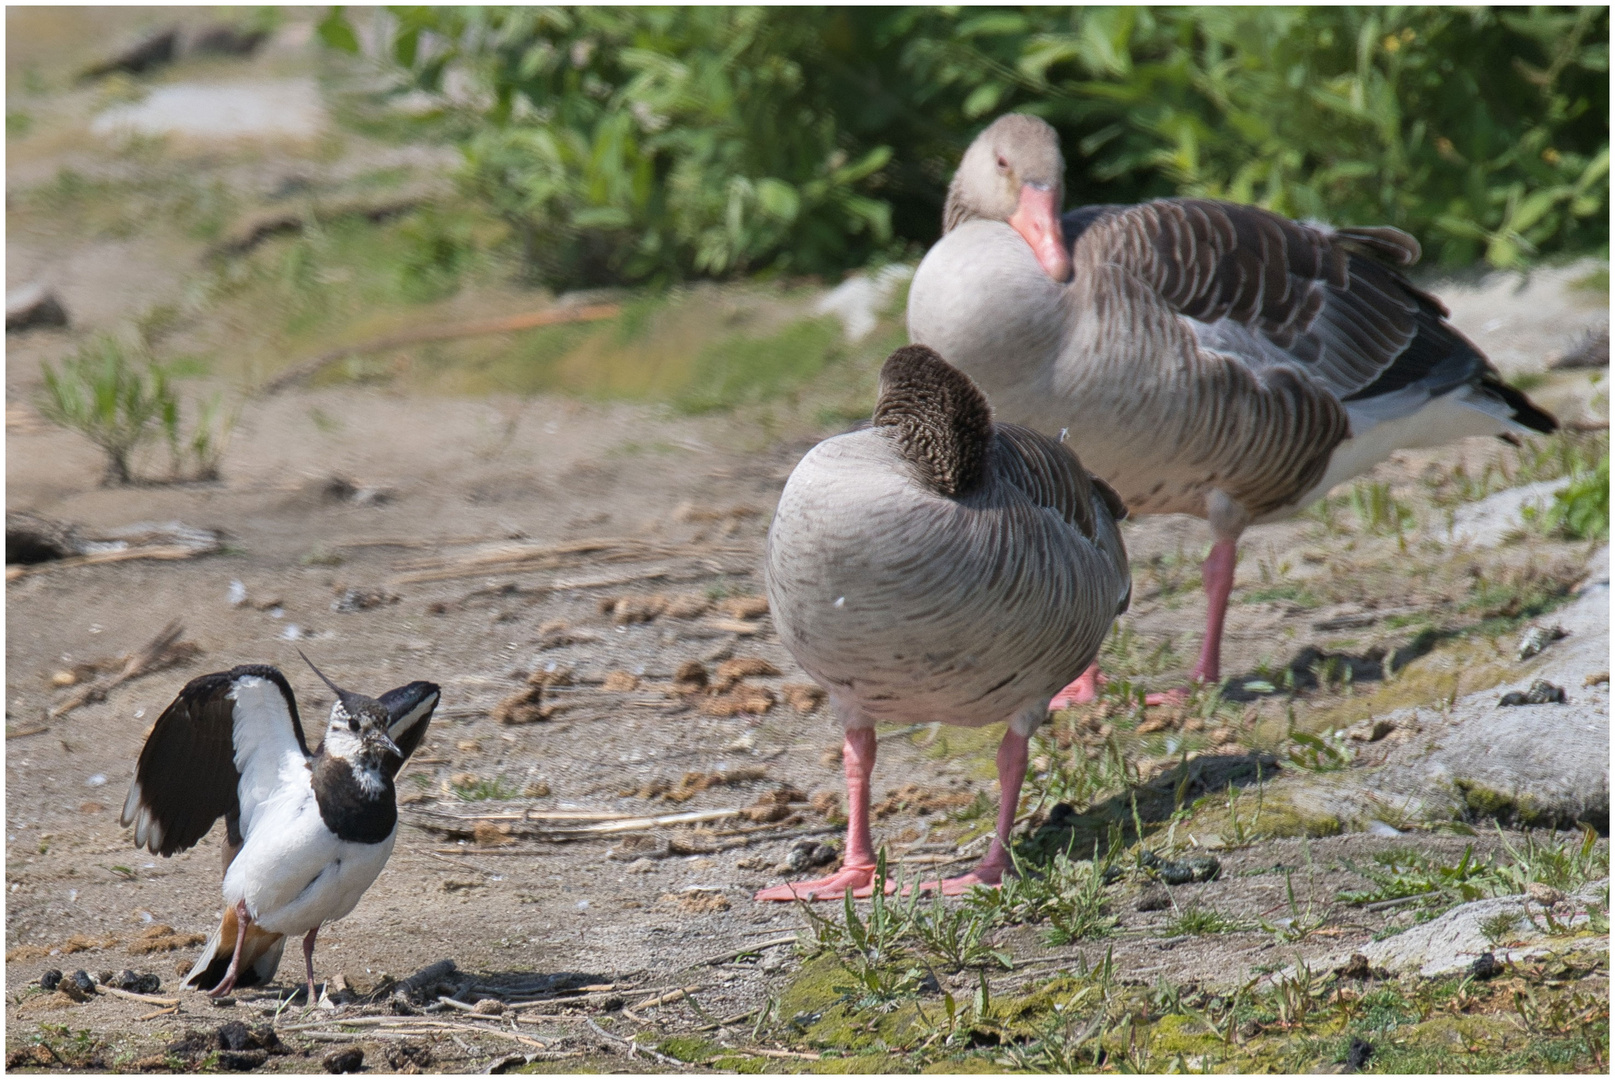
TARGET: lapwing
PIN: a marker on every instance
(306, 832)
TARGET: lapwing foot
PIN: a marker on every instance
(860, 879)
(1081, 692)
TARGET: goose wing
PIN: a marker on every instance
(1266, 291)
(410, 711)
(1048, 473)
(216, 751)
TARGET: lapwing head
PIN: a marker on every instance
(358, 727)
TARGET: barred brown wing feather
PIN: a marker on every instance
(1047, 471)
(1275, 291)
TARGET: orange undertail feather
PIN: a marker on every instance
(260, 955)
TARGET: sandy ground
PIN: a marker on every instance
(460, 477)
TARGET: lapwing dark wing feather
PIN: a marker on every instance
(410, 708)
(186, 778)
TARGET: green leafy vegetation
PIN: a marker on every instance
(1378, 511)
(1550, 1017)
(112, 394)
(631, 144)
(1068, 894)
(478, 789)
(1564, 862)
(115, 394)
(1581, 510)
(1196, 920)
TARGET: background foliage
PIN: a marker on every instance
(626, 144)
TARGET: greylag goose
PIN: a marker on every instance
(938, 567)
(1206, 358)
(306, 833)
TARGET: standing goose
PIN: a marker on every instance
(306, 833)
(938, 567)
(1207, 358)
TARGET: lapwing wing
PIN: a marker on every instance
(306, 831)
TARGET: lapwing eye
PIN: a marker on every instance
(353, 723)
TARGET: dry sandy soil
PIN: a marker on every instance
(677, 506)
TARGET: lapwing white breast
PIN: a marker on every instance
(307, 832)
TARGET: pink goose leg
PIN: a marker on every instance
(858, 863)
(1084, 690)
(1011, 774)
(1217, 576)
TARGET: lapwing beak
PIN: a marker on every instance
(380, 736)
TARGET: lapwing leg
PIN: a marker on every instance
(1012, 754)
(228, 983)
(308, 960)
(858, 862)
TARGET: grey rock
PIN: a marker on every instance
(1537, 638)
(1537, 764)
(33, 305)
(1357, 1054)
(1592, 351)
(1453, 942)
(224, 40)
(151, 51)
(1542, 692)
(344, 1061)
(1154, 899)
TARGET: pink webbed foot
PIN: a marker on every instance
(1176, 696)
(1081, 692)
(860, 879)
(983, 876)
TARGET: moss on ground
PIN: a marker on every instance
(1538, 1020)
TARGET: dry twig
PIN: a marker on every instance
(160, 652)
(445, 332)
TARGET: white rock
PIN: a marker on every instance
(858, 301)
(1487, 522)
(266, 107)
(1449, 944)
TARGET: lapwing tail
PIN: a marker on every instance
(260, 955)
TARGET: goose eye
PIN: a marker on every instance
(1003, 165)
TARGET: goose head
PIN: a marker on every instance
(938, 418)
(1014, 173)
